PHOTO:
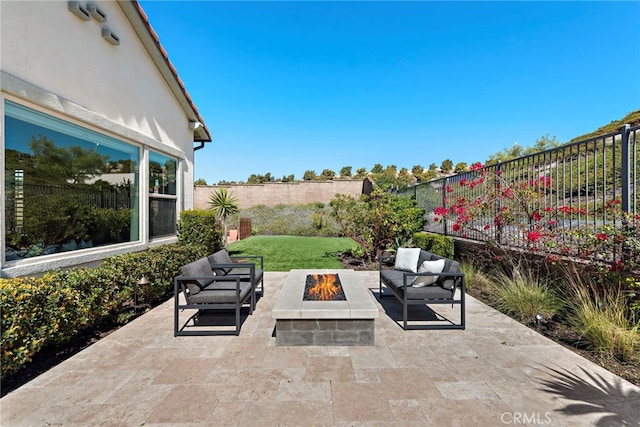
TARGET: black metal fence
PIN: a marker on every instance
(20, 194)
(577, 183)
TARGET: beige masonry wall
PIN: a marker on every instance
(275, 193)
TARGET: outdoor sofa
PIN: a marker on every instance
(422, 278)
(216, 285)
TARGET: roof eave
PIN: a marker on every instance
(140, 23)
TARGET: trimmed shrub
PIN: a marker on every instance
(199, 227)
(51, 309)
(434, 243)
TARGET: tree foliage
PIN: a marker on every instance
(376, 221)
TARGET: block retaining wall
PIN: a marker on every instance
(276, 193)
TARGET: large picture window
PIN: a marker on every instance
(67, 187)
(162, 194)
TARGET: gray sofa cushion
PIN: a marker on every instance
(393, 278)
(199, 268)
(221, 257)
(428, 292)
(221, 293)
(245, 272)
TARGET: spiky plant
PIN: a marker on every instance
(223, 205)
(524, 296)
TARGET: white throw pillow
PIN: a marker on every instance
(407, 259)
(429, 267)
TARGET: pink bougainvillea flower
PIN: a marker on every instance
(441, 210)
(509, 193)
(534, 236)
(617, 266)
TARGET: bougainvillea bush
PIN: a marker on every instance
(517, 214)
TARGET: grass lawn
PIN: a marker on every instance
(284, 253)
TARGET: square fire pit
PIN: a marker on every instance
(301, 321)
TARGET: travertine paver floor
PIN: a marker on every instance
(496, 372)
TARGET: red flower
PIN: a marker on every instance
(617, 266)
(487, 226)
(456, 227)
(449, 189)
(534, 236)
(476, 166)
(441, 210)
(463, 182)
(602, 237)
(535, 216)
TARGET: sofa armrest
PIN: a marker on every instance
(260, 257)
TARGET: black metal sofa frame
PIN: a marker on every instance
(208, 286)
(443, 291)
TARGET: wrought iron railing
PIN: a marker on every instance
(577, 182)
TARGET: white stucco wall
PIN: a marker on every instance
(53, 61)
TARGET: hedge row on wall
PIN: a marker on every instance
(434, 243)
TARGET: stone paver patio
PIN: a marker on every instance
(496, 372)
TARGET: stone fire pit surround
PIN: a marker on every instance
(349, 322)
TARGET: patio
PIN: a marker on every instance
(493, 373)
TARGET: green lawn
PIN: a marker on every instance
(284, 253)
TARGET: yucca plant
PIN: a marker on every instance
(603, 320)
(223, 205)
(526, 297)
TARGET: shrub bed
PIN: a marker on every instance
(53, 308)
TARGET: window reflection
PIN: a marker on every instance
(67, 187)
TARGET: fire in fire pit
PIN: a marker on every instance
(323, 287)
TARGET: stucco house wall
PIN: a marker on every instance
(53, 62)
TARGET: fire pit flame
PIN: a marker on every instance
(323, 287)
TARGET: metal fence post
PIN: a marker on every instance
(626, 159)
(445, 184)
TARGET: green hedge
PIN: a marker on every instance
(199, 227)
(435, 243)
(51, 309)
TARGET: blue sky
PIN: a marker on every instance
(286, 87)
